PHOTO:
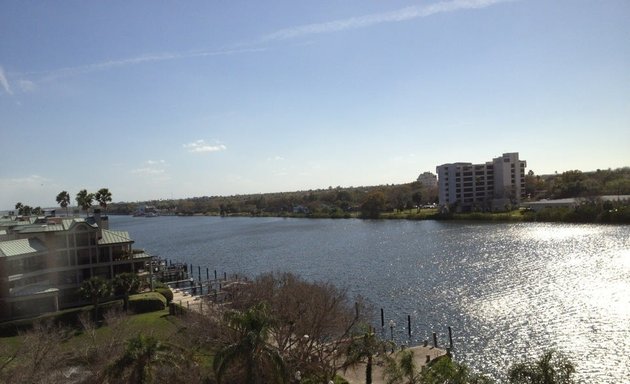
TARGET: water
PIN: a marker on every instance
(509, 291)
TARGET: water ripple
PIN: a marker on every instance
(509, 291)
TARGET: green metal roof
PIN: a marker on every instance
(38, 228)
(114, 237)
(21, 247)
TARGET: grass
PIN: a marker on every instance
(159, 323)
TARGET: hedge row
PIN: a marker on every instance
(66, 318)
(147, 302)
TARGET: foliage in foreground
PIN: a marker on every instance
(551, 368)
(274, 327)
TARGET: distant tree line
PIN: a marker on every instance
(578, 184)
(372, 201)
(332, 202)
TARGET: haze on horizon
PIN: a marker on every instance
(165, 100)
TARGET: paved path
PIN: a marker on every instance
(186, 300)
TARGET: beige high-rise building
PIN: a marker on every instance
(494, 186)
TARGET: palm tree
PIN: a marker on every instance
(143, 354)
(63, 199)
(402, 367)
(26, 210)
(364, 347)
(552, 368)
(103, 196)
(126, 283)
(94, 289)
(19, 207)
(444, 370)
(84, 200)
(251, 348)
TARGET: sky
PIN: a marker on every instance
(161, 99)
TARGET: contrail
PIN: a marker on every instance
(403, 14)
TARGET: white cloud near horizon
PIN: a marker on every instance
(404, 14)
(200, 146)
(153, 169)
(4, 82)
(148, 171)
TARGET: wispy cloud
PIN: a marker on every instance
(111, 64)
(403, 14)
(149, 171)
(26, 85)
(253, 45)
(153, 169)
(200, 146)
(4, 82)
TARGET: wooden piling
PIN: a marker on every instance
(409, 325)
(382, 319)
(435, 343)
(450, 337)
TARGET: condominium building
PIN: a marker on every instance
(44, 260)
(496, 185)
(428, 180)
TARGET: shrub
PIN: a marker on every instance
(167, 293)
(147, 302)
(66, 318)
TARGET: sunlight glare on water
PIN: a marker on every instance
(509, 291)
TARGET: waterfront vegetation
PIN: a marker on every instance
(414, 201)
(411, 201)
(277, 328)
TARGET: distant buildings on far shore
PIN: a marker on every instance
(428, 180)
(496, 185)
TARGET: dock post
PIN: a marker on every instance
(450, 337)
(207, 273)
(435, 344)
(215, 274)
(382, 319)
(225, 276)
(356, 310)
(409, 325)
(199, 272)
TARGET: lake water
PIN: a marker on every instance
(509, 291)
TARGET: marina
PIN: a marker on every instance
(509, 291)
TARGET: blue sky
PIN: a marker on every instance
(158, 99)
